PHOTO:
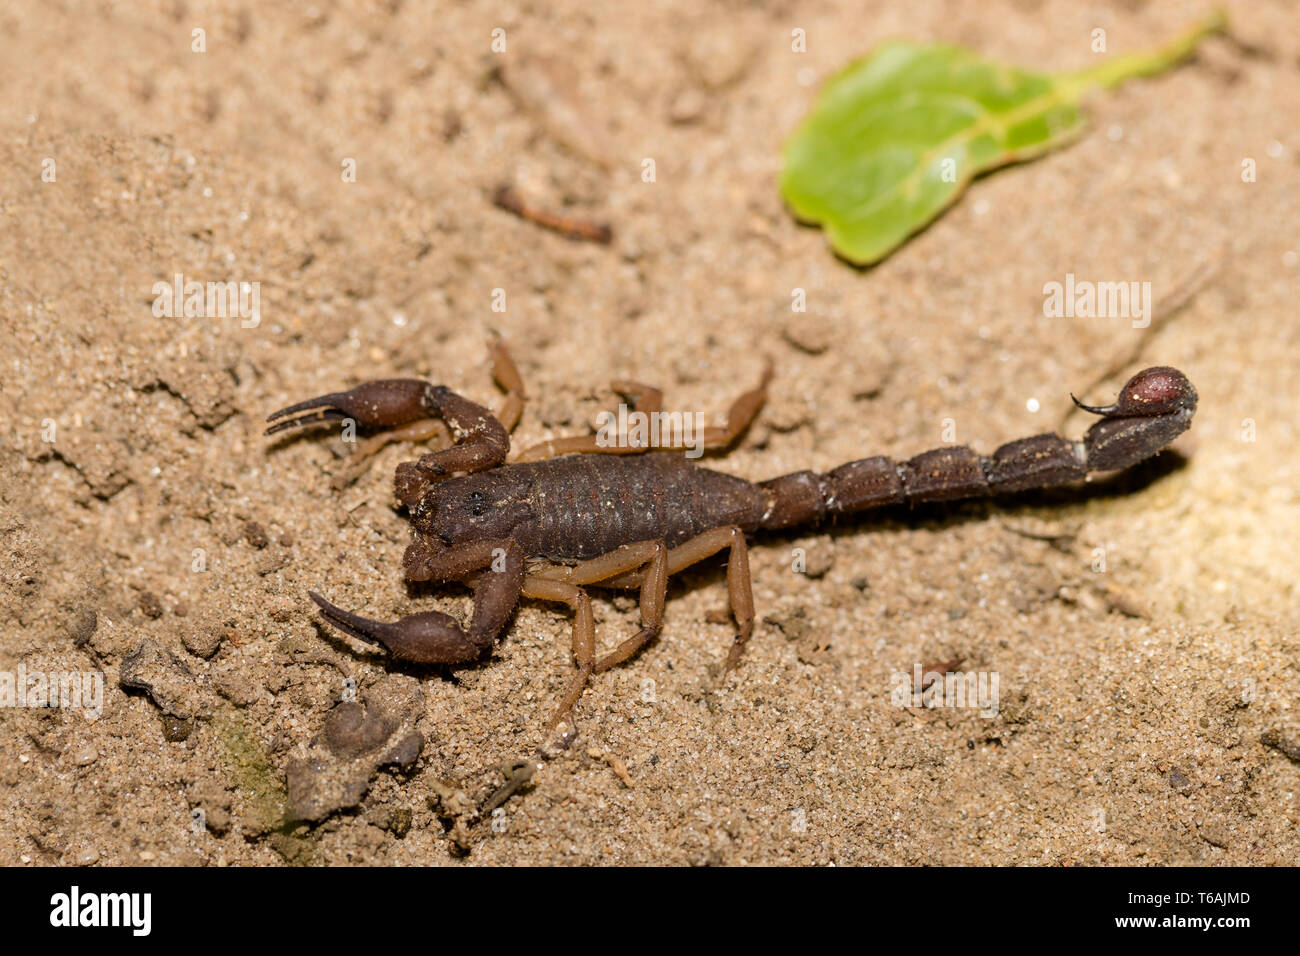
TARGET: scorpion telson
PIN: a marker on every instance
(572, 513)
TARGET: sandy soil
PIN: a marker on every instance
(145, 523)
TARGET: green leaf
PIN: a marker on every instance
(895, 137)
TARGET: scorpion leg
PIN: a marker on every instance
(739, 587)
(741, 415)
(436, 638)
(508, 379)
(649, 400)
(420, 432)
(562, 583)
(644, 398)
(584, 635)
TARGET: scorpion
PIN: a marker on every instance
(579, 512)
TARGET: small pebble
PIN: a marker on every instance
(399, 822)
(84, 624)
(255, 535)
(201, 641)
(687, 106)
(150, 606)
(174, 729)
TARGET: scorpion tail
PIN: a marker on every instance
(1154, 407)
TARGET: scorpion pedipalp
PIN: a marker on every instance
(430, 637)
(380, 404)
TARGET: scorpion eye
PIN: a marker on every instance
(477, 504)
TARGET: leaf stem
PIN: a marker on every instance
(1113, 72)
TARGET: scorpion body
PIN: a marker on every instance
(573, 514)
(582, 506)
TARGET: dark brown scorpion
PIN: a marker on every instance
(576, 512)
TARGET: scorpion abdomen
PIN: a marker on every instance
(588, 505)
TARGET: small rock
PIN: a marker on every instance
(350, 730)
(150, 606)
(84, 623)
(457, 810)
(1216, 835)
(270, 563)
(819, 560)
(787, 412)
(174, 729)
(355, 741)
(720, 58)
(398, 822)
(406, 751)
(166, 680)
(215, 801)
(237, 687)
(1273, 738)
(316, 788)
(1126, 602)
(813, 334)
(80, 854)
(217, 820)
(687, 106)
(1178, 780)
(793, 624)
(202, 640)
(255, 535)
(449, 802)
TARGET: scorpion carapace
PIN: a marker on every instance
(579, 512)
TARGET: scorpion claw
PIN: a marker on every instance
(354, 625)
(428, 638)
(380, 404)
(320, 409)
